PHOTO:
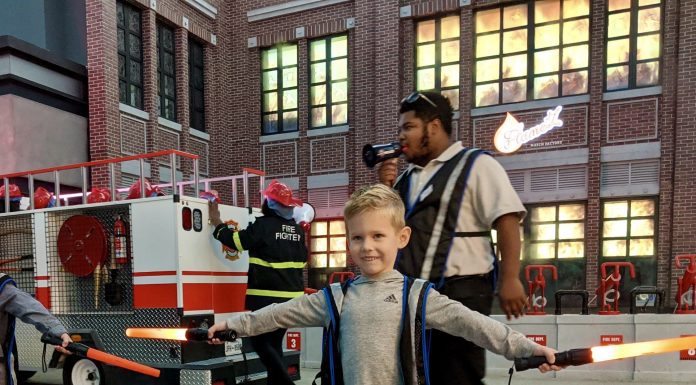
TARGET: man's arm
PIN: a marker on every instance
(510, 290)
(23, 306)
(388, 171)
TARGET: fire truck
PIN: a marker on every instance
(146, 262)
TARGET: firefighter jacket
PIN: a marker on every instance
(15, 303)
(433, 218)
(277, 257)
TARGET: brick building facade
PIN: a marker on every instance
(296, 88)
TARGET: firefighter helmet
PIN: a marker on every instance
(134, 190)
(43, 198)
(14, 192)
(99, 194)
(281, 194)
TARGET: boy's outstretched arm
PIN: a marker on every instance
(304, 311)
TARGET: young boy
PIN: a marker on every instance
(370, 333)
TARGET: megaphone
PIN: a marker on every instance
(380, 152)
(303, 215)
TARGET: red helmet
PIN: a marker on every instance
(134, 190)
(281, 194)
(99, 194)
(14, 191)
(43, 198)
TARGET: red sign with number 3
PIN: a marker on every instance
(294, 340)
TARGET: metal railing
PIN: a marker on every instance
(110, 163)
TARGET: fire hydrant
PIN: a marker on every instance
(686, 285)
(538, 303)
(610, 284)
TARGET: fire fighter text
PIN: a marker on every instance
(288, 233)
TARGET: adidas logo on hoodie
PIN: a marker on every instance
(391, 299)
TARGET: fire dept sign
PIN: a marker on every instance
(294, 340)
(611, 339)
(538, 338)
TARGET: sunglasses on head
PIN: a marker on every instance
(414, 96)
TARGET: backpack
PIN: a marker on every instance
(9, 348)
(414, 342)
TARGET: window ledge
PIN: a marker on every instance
(168, 123)
(199, 134)
(204, 7)
(634, 93)
(531, 105)
(328, 130)
(133, 111)
(278, 137)
(288, 8)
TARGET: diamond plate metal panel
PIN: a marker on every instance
(195, 377)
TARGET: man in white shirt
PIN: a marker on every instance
(454, 196)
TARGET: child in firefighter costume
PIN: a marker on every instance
(277, 256)
(15, 303)
(375, 325)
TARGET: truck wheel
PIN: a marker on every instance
(82, 371)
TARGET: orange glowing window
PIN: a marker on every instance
(511, 66)
(628, 228)
(437, 57)
(633, 43)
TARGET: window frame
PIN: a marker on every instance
(628, 237)
(437, 66)
(162, 74)
(529, 241)
(128, 33)
(313, 271)
(280, 89)
(633, 36)
(328, 82)
(194, 66)
(530, 52)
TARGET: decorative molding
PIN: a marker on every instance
(199, 134)
(299, 32)
(213, 39)
(350, 23)
(654, 136)
(140, 114)
(41, 75)
(342, 156)
(204, 7)
(252, 42)
(287, 8)
(464, 3)
(544, 159)
(531, 105)
(328, 180)
(405, 11)
(277, 137)
(328, 130)
(168, 123)
(630, 152)
(185, 22)
(153, 4)
(635, 93)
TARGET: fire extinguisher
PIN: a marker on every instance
(120, 241)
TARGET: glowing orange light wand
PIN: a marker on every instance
(180, 334)
(97, 355)
(584, 356)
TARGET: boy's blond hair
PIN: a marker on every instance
(373, 198)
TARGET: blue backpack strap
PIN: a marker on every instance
(406, 340)
(422, 348)
(331, 372)
(11, 347)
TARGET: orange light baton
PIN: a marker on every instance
(97, 355)
(180, 334)
(610, 352)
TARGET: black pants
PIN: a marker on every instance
(269, 347)
(454, 360)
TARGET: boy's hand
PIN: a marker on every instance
(214, 213)
(513, 299)
(66, 340)
(219, 326)
(550, 357)
(388, 171)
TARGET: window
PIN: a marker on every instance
(130, 59)
(535, 50)
(327, 250)
(196, 85)
(633, 43)
(556, 232)
(328, 79)
(628, 228)
(437, 57)
(279, 89)
(166, 80)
